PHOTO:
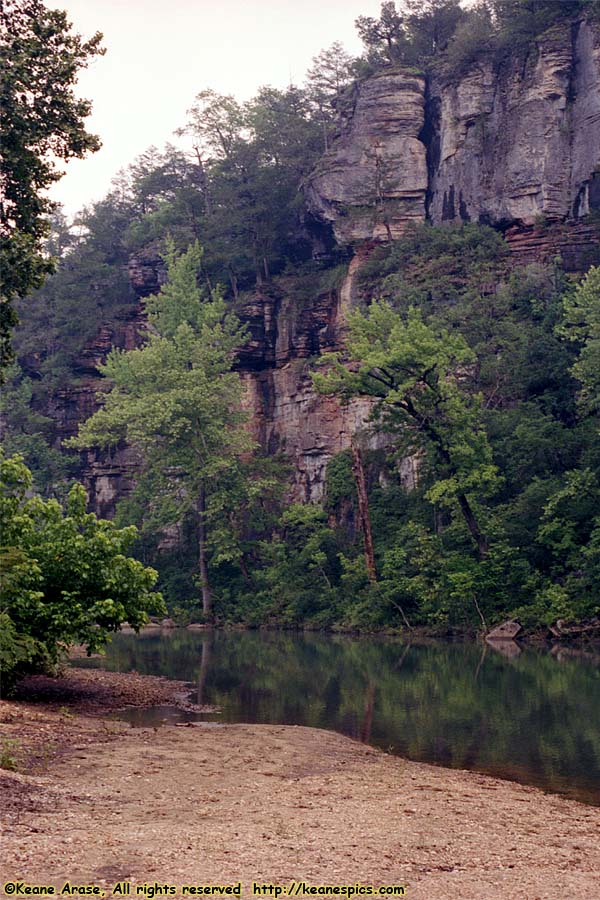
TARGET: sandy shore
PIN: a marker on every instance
(93, 801)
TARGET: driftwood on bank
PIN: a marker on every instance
(562, 629)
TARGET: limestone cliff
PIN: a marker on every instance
(505, 144)
(522, 142)
(374, 180)
(107, 476)
(286, 414)
(515, 145)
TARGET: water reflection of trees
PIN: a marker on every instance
(533, 718)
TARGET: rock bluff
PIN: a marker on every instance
(514, 144)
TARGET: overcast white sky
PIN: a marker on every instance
(161, 53)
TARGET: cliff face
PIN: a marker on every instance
(286, 414)
(523, 142)
(374, 181)
(500, 145)
(107, 476)
(517, 147)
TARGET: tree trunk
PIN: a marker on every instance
(363, 512)
(204, 184)
(234, 282)
(473, 526)
(202, 566)
(244, 570)
(465, 506)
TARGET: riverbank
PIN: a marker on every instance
(97, 802)
(575, 637)
(539, 638)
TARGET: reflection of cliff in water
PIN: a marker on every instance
(532, 718)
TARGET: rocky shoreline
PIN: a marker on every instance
(94, 801)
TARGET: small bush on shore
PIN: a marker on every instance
(64, 575)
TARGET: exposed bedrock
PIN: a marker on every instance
(374, 180)
(107, 476)
(522, 142)
(515, 145)
(505, 144)
(286, 414)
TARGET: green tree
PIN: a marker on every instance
(460, 281)
(582, 324)
(25, 431)
(252, 158)
(89, 288)
(300, 569)
(179, 403)
(42, 121)
(569, 525)
(522, 20)
(331, 73)
(217, 123)
(384, 38)
(430, 24)
(414, 374)
(65, 577)
(570, 533)
(471, 39)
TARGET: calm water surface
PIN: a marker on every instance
(532, 717)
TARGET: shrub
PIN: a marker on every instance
(65, 577)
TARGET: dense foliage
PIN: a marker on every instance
(42, 121)
(446, 36)
(492, 392)
(65, 576)
(178, 402)
(482, 497)
(499, 412)
(486, 502)
(237, 193)
(483, 380)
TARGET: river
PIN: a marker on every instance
(531, 717)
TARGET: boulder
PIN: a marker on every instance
(507, 631)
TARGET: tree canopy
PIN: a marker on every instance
(414, 375)
(179, 403)
(65, 576)
(43, 121)
(582, 324)
(479, 471)
(447, 35)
